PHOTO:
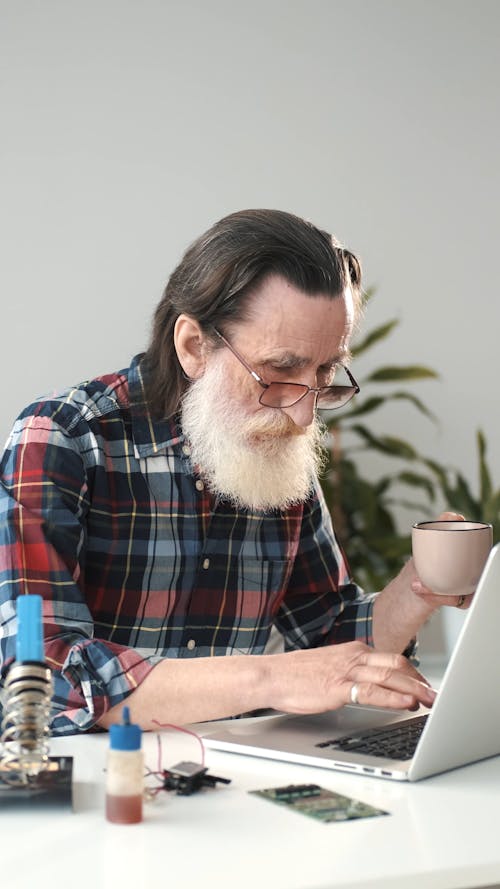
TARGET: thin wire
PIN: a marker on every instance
(159, 774)
(180, 728)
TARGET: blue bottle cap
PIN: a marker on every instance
(29, 641)
(125, 735)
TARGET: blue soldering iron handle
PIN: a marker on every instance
(29, 643)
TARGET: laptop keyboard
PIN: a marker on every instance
(397, 741)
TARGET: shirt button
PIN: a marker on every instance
(191, 645)
(186, 450)
(199, 484)
(206, 563)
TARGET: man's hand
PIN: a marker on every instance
(320, 679)
(314, 680)
(405, 604)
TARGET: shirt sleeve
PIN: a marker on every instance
(44, 499)
(323, 605)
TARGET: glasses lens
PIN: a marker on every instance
(282, 394)
(332, 397)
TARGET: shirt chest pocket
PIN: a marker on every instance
(261, 585)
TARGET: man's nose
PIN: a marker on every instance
(302, 413)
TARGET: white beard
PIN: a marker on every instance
(259, 461)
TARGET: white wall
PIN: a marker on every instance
(129, 126)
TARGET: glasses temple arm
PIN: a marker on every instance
(352, 378)
(241, 360)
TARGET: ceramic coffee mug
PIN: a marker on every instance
(449, 556)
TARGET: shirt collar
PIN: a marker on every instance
(150, 436)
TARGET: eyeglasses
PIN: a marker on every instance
(282, 395)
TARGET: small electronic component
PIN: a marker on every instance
(318, 802)
(186, 778)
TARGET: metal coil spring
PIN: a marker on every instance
(25, 729)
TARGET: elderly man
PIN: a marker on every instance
(170, 514)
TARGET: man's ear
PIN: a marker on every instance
(190, 346)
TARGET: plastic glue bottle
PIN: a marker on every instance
(125, 772)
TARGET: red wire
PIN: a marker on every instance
(179, 728)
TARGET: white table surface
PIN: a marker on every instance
(441, 832)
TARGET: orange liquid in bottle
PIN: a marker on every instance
(124, 809)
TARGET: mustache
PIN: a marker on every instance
(274, 424)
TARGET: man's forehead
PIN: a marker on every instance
(287, 325)
(277, 297)
(337, 351)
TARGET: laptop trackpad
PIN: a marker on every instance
(321, 726)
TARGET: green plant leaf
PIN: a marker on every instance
(408, 396)
(373, 403)
(460, 498)
(418, 509)
(485, 486)
(464, 500)
(491, 513)
(442, 475)
(415, 480)
(396, 547)
(386, 444)
(393, 373)
(361, 407)
(382, 485)
(374, 336)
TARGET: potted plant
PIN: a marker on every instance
(364, 509)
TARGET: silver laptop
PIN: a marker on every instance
(463, 725)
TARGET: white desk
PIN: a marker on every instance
(442, 832)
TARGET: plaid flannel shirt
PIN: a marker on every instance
(102, 513)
